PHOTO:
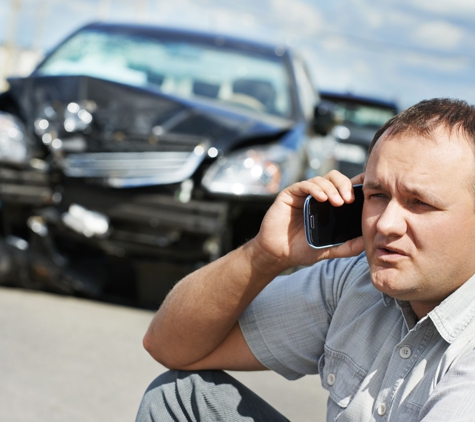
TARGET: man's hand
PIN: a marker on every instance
(282, 233)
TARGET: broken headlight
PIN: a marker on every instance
(14, 145)
(263, 170)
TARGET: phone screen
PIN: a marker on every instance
(326, 225)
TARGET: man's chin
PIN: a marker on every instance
(389, 282)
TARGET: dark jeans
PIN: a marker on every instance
(203, 396)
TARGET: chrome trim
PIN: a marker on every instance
(128, 169)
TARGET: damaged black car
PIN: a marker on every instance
(133, 155)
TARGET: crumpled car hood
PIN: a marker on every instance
(136, 111)
(137, 136)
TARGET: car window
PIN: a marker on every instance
(363, 115)
(181, 68)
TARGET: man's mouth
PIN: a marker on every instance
(386, 251)
(389, 251)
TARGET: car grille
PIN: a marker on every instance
(129, 169)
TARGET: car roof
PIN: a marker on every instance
(357, 99)
(209, 38)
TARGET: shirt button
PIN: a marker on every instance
(405, 352)
(331, 379)
(381, 409)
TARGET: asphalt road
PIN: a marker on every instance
(69, 359)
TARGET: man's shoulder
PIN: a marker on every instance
(340, 276)
(348, 269)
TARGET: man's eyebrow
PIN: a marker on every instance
(372, 185)
(423, 195)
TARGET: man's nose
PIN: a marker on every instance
(392, 221)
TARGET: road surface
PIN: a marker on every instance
(75, 360)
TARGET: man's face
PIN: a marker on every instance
(419, 216)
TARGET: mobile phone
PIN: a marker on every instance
(326, 225)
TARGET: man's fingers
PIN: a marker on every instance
(342, 183)
(321, 189)
(315, 187)
(334, 187)
(357, 180)
(330, 189)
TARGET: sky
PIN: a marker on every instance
(402, 50)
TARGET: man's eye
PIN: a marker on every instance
(420, 203)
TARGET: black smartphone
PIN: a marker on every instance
(326, 225)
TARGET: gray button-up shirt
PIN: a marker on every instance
(376, 361)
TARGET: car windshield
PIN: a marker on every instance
(180, 68)
(364, 115)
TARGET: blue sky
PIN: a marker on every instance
(404, 50)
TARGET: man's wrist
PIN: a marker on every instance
(263, 264)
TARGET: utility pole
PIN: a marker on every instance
(41, 15)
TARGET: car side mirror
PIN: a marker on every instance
(325, 117)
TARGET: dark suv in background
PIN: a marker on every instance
(134, 154)
(360, 118)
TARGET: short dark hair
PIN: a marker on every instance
(426, 116)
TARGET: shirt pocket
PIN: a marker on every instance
(340, 376)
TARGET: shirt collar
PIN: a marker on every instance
(409, 316)
(455, 313)
(387, 300)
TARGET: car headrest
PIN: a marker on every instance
(259, 89)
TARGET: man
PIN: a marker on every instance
(391, 331)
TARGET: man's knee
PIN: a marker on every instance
(189, 379)
(182, 395)
(202, 395)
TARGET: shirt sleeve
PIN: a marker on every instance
(453, 398)
(286, 324)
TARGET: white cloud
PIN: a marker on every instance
(334, 43)
(368, 13)
(335, 79)
(296, 15)
(230, 19)
(277, 23)
(437, 63)
(462, 8)
(401, 18)
(361, 67)
(375, 19)
(438, 34)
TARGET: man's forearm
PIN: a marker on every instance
(202, 308)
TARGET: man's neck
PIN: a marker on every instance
(422, 308)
